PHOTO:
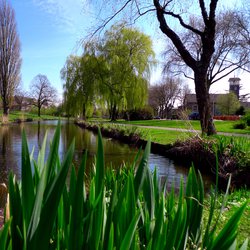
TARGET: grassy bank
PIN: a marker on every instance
(122, 210)
(221, 126)
(19, 116)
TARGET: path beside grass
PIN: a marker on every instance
(186, 130)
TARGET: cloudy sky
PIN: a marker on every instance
(50, 30)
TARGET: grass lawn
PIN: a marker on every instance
(163, 136)
(14, 115)
(221, 126)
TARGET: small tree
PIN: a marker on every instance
(228, 104)
(163, 96)
(42, 92)
(10, 61)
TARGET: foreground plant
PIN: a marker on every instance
(122, 210)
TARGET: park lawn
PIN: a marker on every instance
(163, 136)
(221, 126)
(180, 124)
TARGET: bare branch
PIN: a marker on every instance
(198, 32)
(109, 19)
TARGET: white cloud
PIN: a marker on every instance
(67, 15)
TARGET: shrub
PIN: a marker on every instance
(246, 118)
(240, 125)
(240, 111)
(139, 114)
(123, 210)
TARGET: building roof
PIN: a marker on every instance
(191, 98)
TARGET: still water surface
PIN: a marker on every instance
(116, 153)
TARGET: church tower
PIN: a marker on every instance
(234, 86)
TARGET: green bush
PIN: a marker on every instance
(123, 210)
(246, 118)
(240, 111)
(139, 114)
(240, 125)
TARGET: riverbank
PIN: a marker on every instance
(19, 117)
(231, 154)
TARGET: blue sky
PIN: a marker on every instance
(50, 30)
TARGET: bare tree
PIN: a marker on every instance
(231, 49)
(162, 96)
(10, 60)
(42, 92)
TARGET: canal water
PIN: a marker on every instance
(116, 153)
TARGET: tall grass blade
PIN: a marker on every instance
(227, 235)
(111, 238)
(16, 213)
(244, 245)
(40, 239)
(129, 236)
(27, 183)
(41, 155)
(99, 181)
(76, 224)
(53, 157)
(141, 171)
(4, 235)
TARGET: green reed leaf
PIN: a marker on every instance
(4, 235)
(141, 171)
(227, 235)
(76, 223)
(40, 239)
(27, 183)
(129, 236)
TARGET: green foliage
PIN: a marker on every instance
(139, 114)
(123, 210)
(80, 84)
(240, 111)
(113, 73)
(246, 118)
(228, 103)
(240, 125)
(237, 147)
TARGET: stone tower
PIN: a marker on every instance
(234, 86)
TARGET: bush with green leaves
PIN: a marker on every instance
(240, 124)
(145, 113)
(246, 118)
(111, 210)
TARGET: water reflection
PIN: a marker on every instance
(115, 153)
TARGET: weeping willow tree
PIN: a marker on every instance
(126, 55)
(113, 72)
(79, 85)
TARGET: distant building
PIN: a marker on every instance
(234, 86)
(22, 103)
(191, 103)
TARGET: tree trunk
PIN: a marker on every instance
(204, 106)
(39, 111)
(113, 113)
(6, 109)
(84, 112)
